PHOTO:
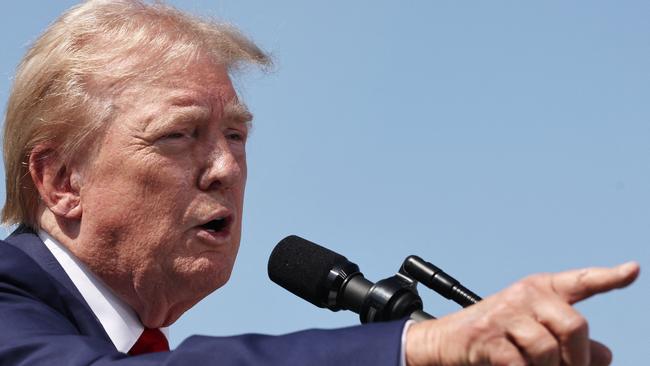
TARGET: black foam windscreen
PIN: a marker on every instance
(302, 267)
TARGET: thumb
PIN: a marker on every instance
(600, 354)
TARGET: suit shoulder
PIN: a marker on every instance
(19, 271)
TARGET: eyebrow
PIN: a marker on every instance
(233, 110)
(185, 111)
(237, 111)
(159, 121)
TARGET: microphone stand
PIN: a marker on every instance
(396, 297)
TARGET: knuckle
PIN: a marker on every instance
(576, 324)
(520, 286)
(521, 291)
(537, 278)
(483, 324)
(491, 317)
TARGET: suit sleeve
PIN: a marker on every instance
(35, 333)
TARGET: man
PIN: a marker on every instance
(126, 165)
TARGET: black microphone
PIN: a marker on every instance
(329, 280)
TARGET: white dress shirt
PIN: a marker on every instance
(119, 320)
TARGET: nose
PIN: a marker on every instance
(226, 168)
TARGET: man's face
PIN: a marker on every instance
(162, 198)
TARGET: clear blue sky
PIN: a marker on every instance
(493, 138)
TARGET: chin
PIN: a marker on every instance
(204, 274)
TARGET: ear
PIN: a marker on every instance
(58, 185)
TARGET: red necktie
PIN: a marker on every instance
(151, 340)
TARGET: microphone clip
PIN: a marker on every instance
(392, 298)
(397, 297)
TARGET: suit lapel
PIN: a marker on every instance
(28, 242)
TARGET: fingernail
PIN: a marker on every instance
(628, 267)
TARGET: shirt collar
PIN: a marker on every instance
(119, 320)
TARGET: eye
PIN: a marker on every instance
(174, 136)
(235, 136)
(177, 135)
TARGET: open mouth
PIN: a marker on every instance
(217, 225)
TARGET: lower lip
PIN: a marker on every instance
(214, 237)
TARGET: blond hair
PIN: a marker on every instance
(63, 89)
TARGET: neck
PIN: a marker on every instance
(105, 265)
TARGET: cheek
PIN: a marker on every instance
(137, 195)
(154, 186)
(166, 180)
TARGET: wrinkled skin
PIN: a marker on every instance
(530, 323)
(173, 159)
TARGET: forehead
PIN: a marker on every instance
(200, 87)
(185, 83)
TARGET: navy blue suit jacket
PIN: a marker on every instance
(44, 320)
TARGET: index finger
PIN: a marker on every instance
(580, 284)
